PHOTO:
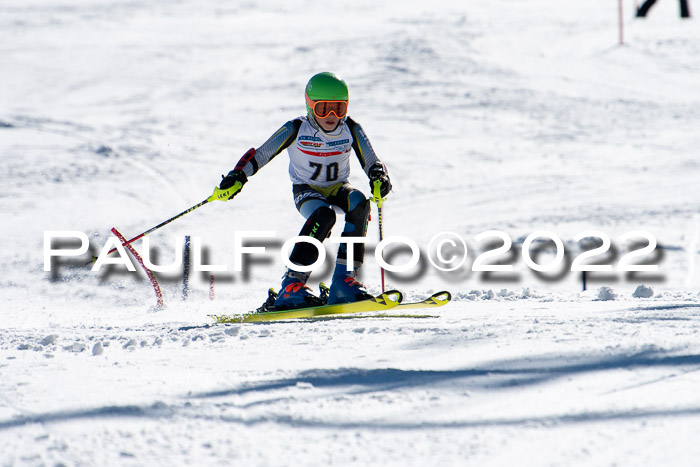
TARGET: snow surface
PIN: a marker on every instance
(510, 115)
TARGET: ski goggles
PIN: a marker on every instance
(322, 109)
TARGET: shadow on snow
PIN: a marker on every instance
(498, 375)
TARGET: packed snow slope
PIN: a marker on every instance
(514, 116)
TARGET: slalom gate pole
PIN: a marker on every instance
(186, 269)
(222, 195)
(377, 198)
(151, 277)
(621, 22)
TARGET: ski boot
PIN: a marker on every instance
(294, 293)
(345, 288)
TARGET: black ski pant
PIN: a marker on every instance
(316, 204)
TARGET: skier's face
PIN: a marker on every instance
(328, 123)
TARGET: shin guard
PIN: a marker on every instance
(355, 226)
(318, 226)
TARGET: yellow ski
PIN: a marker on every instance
(385, 301)
(437, 299)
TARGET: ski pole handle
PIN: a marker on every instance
(377, 193)
(225, 195)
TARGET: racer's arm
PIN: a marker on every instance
(254, 159)
(373, 167)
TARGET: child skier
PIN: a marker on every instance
(319, 146)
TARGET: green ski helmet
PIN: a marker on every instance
(325, 86)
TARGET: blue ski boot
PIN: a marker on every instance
(294, 293)
(345, 288)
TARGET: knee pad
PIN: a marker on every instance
(355, 198)
(318, 226)
(357, 218)
(355, 226)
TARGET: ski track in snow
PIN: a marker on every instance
(515, 116)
